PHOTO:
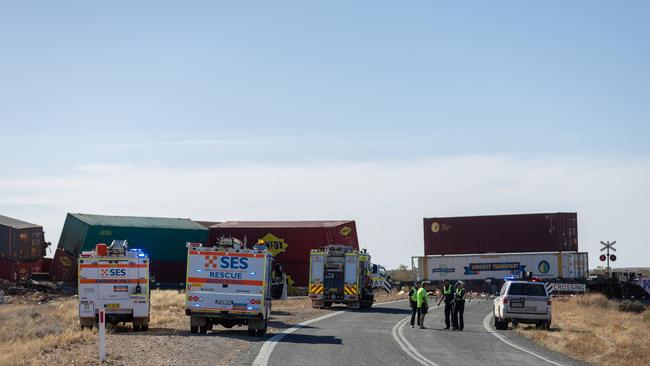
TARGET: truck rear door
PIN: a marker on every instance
(226, 281)
(351, 277)
(316, 275)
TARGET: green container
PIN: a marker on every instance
(164, 239)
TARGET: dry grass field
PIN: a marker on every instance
(591, 328)
(49, 333)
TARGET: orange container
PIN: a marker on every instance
(102, 250)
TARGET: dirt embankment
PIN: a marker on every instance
(49, 334)
(593, 329)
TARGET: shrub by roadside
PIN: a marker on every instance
(592, 328)
(631, 306)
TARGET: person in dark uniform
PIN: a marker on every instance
(459, 306)
(413, 302)
(448, 297)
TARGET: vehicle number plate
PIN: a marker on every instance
(223, 302)
(519, 303)
(112, 306)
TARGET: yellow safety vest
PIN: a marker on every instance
(446, 290)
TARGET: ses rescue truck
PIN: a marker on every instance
(115, 279)
(228, 284)
(340, 274)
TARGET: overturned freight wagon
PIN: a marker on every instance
(163, 239)
(290, 242)
(487, 271)
(21, 248)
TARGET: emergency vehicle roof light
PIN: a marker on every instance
(510, 278)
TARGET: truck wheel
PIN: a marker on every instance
(262, 332)
(251, 331)
(515, 324)
(194, 329)
(136, 327)
(327, 304)
(144, 327)
(354, 305)
(203, 329)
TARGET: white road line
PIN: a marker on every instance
(389, 302)
(263, 356)
(398, 335)
(486, 325)
(268, 346)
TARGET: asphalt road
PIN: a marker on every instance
(383, 336)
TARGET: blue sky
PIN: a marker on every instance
(305, 85)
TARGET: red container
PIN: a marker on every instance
(64, 266)
(19, 240)
(545, 232)
(167, 272)
(14, 271)
(47, 262)
(290, 241)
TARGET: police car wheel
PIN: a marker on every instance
(194, 329)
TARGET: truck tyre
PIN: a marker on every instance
(354, 305)
(136, 327)
(262, 332)
(144, 327)
(194, 329)
(327, 304)
(203, 329)
(251, 331)
(514, 324)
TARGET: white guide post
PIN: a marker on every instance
(102, 335)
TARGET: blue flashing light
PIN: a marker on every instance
(510, 278)
(197, 305)
(252, 273)
(198, 270)
(249, 307)
(141, 255)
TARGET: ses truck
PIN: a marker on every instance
(340, 274)
(228, 284)
(115, 279)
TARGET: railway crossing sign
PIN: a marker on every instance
(607, 246)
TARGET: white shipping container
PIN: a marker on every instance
(568, 265)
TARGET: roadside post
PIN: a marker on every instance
(102, 335)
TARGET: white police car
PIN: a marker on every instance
(522, 302)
